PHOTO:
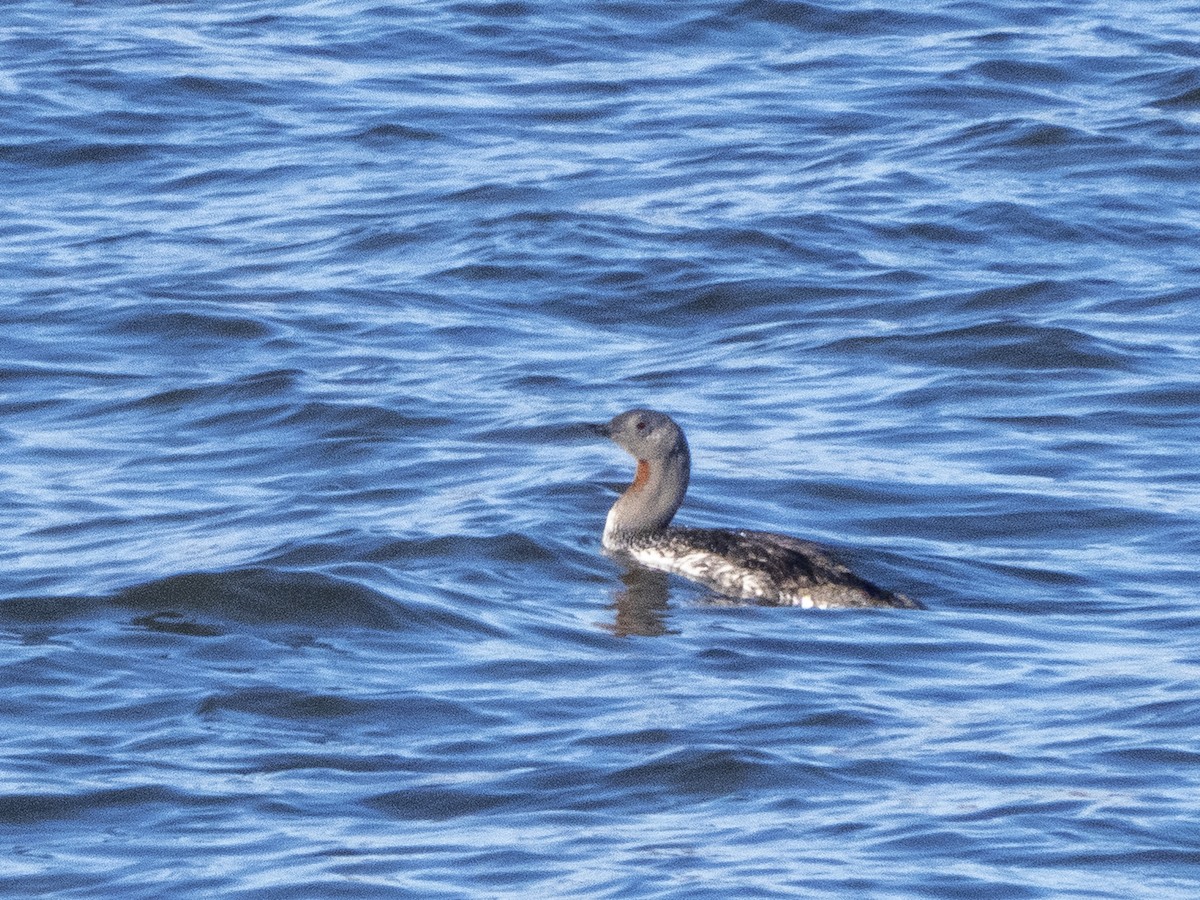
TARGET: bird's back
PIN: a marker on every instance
(761, 566)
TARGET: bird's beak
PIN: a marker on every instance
(604, 429)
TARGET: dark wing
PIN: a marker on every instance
(792, 563)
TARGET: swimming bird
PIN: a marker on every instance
(767, 568)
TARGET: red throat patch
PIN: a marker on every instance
(641, 476)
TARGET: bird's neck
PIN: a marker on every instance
(648, 504)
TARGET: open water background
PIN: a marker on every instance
(302, 308)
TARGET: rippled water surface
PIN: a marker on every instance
(304, 307)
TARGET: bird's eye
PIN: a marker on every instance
(641, 426)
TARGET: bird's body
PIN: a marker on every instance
(750, 565)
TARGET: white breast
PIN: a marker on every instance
(707, 568)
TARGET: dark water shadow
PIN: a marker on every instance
(214, 604)
(203, 603)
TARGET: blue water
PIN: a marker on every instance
(302, 310)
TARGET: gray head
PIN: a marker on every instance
(663, 467)
(645, 434)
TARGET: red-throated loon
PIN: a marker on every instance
(750, 565)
